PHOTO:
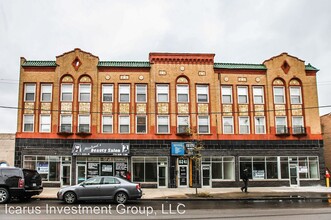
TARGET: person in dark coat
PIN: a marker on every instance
(244, 177)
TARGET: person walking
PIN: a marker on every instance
(128, 175)
(244, 177)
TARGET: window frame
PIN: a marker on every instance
(199, 124)
(26, 85)
(225, 94)
(111, 124)
(80, 92)
(302, 125)
(186, 92)
(283, 94)
(232, 124)
(145, 93)
(255, 124)
(299, 95)
(24, 122)
(42, 86)
(41, 125)
(285, 126)
(125, 92)
(256, 88)
(61, 122)
(198, 92)
(79, 123)
(145, 116)
(187, 124)
(62, 92)
(158, 124)
(239, 123)
(103, 93)
(239, 89)
(120, 123)
(158, 92)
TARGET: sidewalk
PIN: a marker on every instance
(258, 193)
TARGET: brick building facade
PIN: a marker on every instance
(79, 117)
(326, 131)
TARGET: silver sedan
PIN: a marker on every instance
(101, 188)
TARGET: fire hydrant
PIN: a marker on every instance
(327, 178)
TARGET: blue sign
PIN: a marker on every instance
(177, 148)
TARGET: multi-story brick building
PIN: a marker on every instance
(79, 116)
(326, 132)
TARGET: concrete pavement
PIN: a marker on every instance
(222, 193)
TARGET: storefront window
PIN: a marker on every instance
(145, 168)
(313, 168)
(284, 167)
(222, 168)
(303, 167)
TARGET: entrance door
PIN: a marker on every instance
(66, 175)
(206, 175)
(294, 175)
(162, 176)
(81, 173)
(183, 176)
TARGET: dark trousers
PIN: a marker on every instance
(244, 188)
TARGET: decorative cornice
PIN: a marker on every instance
(181, 58)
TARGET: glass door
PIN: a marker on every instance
(206, 175)
(81, 173)
(66, 175)
(183, 176)
(294, 180)
(162, 176)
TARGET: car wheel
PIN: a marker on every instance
(121, 198)
(4, 195)
(70, 197)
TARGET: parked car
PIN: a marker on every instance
(101, 188)
(19, 183)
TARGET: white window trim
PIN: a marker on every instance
(89, 130)
(112, 124)
(32, 122)
(231, 95)
(144, 85)
(119, 93)
(302, 122)
(224, 124)
(90, 92)
(61, 122)
(186, 86)
(300, 95)
(112, 92)
(277, 124)
(188, 122)
(262, 88)
(208, 120)
(249, 126)
(72, 92)
(247, 98)
(34, 92)
(119, 124)
(41, 92)
(137, 124)
(157, 125)
(197, 94)
(50, 123)
(283, 87)
(157, 92)
(255, 124)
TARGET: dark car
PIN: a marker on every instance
(101, 188)
(19, 183)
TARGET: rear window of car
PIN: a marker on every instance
(31, 174)
(11, 172)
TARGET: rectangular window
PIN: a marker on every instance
(222, 168)
(203, 124)
(228, 125)
(244, 125)
(66, 92)
(84, 123)
(107, 124)
(84, 92)
(28, 123)
(284, 170)
(107, 92)
(226, 94)
(182, 93)
(163, 124)
(30, 90)
(202, 93)
(281, 125)
(279, 95)
(258, 95)
(162, 92)
(141, 93)
(45, 123)
(183, 124)
(124, 124)
(66, 123)
(124, 93)
(141, 124)
(260, 125)
(46, 93)
(242, 95)
(313, 168)
(145, 169)
(297, 125)
(295, 93)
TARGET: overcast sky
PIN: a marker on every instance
(241, 31)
